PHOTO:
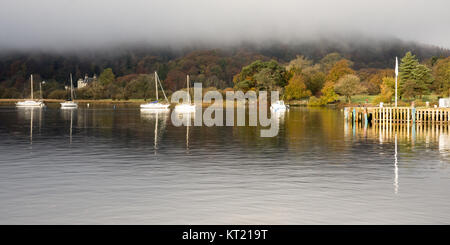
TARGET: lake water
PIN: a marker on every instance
(105, 165)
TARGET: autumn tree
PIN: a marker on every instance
(387, 90)
(329, 61)
(314, 78)
(349, 85)
(340, 69)
(299, 64)
(296, 89)
(265, 79)
(441, 73)
(374, 81)
(328, 93)
(261, 75)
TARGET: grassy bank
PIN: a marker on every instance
(355, 101)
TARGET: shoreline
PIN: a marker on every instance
(108, 101)
(293, 103)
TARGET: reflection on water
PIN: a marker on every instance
(32, 115)
(444, 144)
(68, 115)
(158, 117)
(396, 167)
(428, 135)
(123, 166)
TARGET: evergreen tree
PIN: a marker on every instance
(106, 77)
(422, 78)
(407, 66)
(414, 78)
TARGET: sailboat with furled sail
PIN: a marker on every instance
(31, 103)
(70, 103)
(186, 106)
(156, 105)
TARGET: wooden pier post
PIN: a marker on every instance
(374, 115)
(365, 117)
(407, 116)
(400, 115)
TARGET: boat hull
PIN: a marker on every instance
(69, 105)
(30, 104)
(279, 106)
(155, 106)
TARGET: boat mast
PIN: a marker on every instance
(162, 89)
(396, 75)
(31, 86)
(71, 87)
(189, 96)
(40, 90)
(156, 86)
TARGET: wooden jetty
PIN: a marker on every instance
(397, 115)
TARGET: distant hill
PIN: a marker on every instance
(218, 65)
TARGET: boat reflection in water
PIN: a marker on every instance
(408, 135)
(32, 114)
(159, 117)
(69, 115)
(279, 115)
(185, 118)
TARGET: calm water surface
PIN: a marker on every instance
(101, 165)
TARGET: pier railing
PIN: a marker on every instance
(397, 114)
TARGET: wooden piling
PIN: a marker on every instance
(389, 115)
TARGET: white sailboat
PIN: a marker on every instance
(156, 105)
(186, 106)
(70, 104)
(31, 102)
(279, 106)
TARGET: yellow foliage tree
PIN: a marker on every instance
(296, 89)
(328, 93)
(387, 90)
(339, 69)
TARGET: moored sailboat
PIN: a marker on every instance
(70, 103)
(31, 102)
(186, 106)
(156, 105)
(279, 106)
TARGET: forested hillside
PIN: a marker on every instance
(212, 66)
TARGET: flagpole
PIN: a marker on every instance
(396, 75)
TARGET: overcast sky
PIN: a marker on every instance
(88, 23)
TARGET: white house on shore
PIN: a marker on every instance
(84, 82)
